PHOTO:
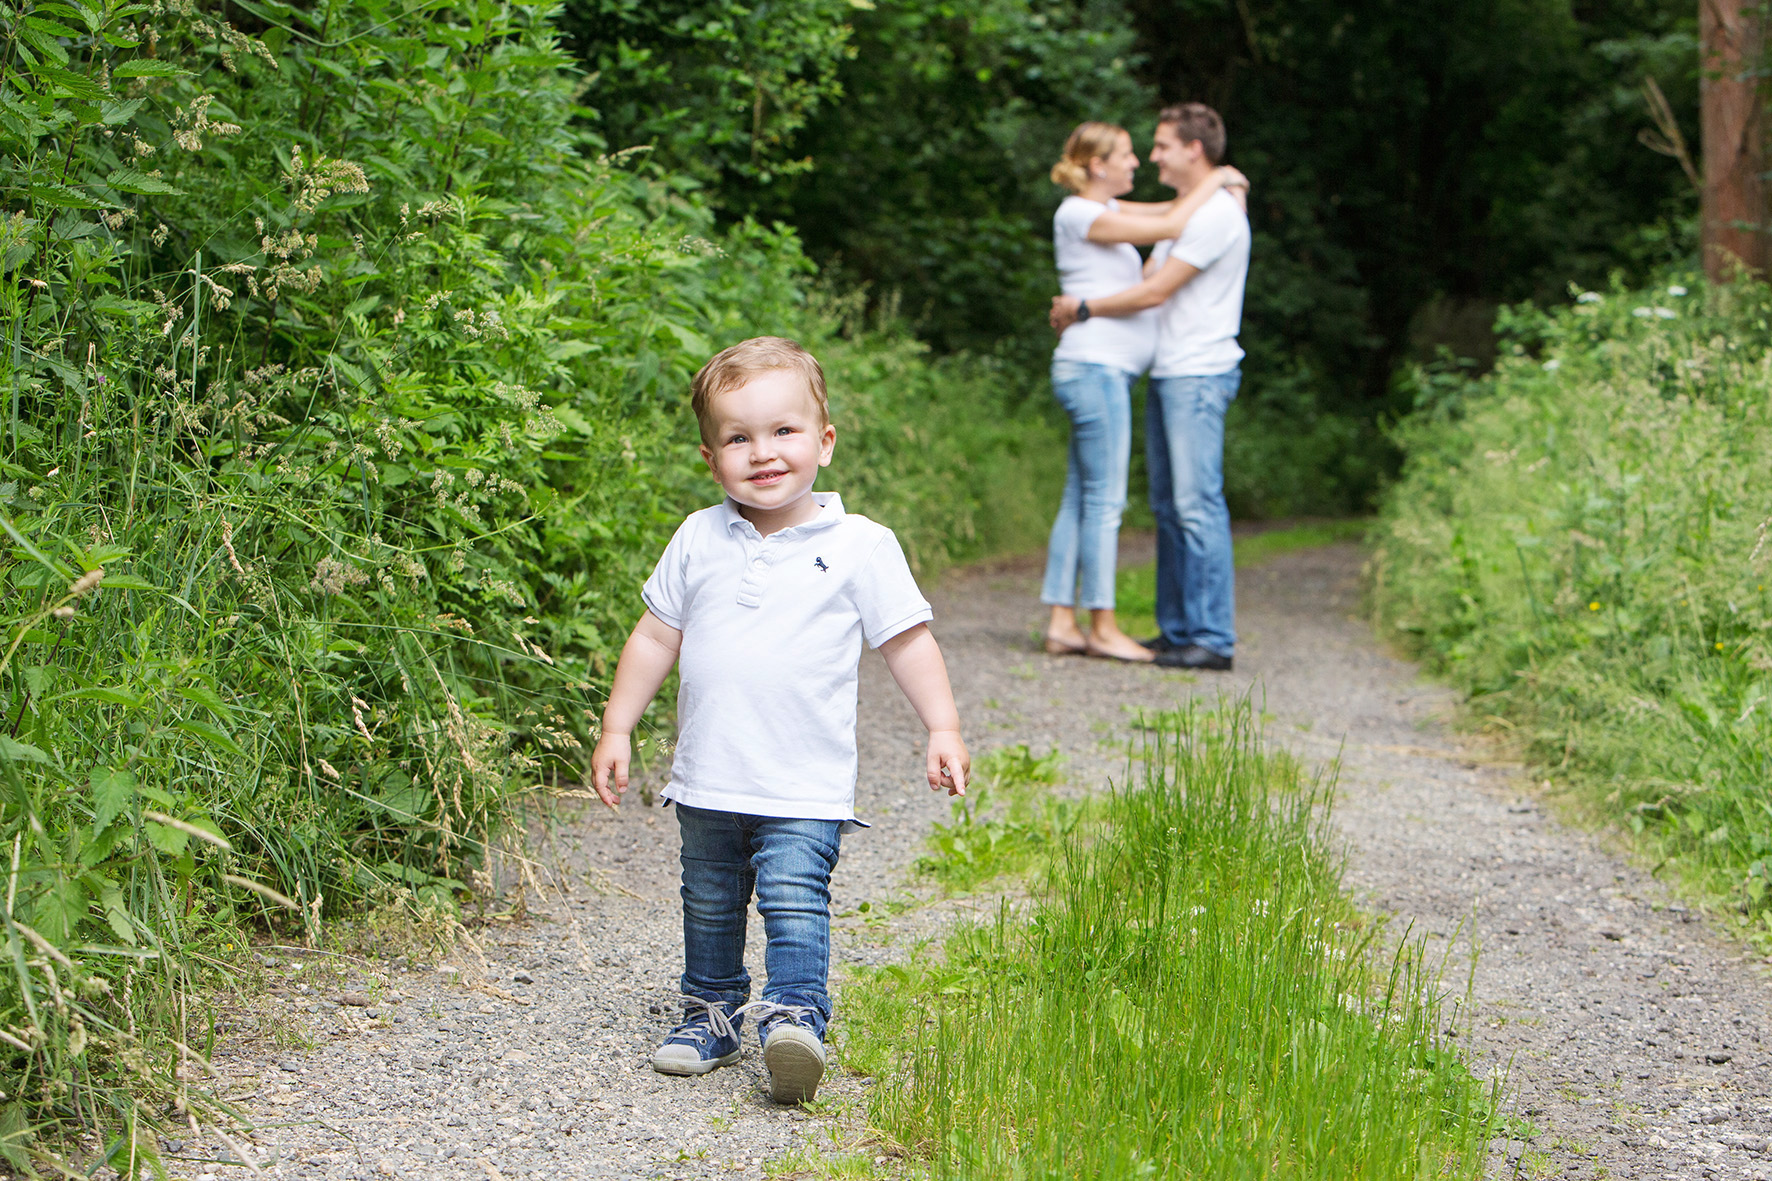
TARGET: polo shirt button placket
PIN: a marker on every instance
(750, 591)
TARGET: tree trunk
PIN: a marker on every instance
(1731, 44)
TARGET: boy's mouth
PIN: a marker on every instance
(768, 477)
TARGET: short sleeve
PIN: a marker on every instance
(1208, 233)
(1074, 217)
(886, 594)
(665, 591)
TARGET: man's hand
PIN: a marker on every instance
(609, 767)
(1064, 312)
(1233, 179)
(950, 766)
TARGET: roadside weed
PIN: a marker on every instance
(1579, 542)
(1190, 996)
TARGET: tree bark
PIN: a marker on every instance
(1731, 47)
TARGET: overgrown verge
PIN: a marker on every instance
(343, 413)
(1580, 543)
(1190, 995)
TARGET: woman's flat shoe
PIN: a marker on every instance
(1055, 648)
(1104, 654)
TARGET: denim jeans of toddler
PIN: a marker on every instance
(1196, 591)
(1083, 550)
(787, 863)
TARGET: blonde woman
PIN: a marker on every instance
(1094, 239)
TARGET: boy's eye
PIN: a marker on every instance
(786, 430)
(738, 439)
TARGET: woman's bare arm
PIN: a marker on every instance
(1146, 228)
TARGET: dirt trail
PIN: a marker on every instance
(1635, 1036)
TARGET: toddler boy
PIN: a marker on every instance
(763, 602)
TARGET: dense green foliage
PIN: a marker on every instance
(1409, 174)
(1189, 995)
(363, 385)
(1580, 542)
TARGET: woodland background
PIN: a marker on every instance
(345, 359)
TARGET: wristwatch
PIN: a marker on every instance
(1082, 310)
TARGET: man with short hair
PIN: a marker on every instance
(1197, 280)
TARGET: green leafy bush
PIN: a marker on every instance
(1579, 541)
(344, 412)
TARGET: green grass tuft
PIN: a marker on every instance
(1191, 996)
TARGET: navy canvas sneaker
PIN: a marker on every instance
(793, 1053)
(707, 1039)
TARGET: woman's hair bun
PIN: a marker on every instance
(1090, 141)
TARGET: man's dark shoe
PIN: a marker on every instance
(1195, 657)
(1158, 643)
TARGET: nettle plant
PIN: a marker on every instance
(317, 323)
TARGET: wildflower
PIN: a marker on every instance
(1667, 314)
(63, 613)
(1552, 365)
(331, 576)
(1642, 313)
(1719, 645)
(1595, 606)
(1589, 297)
(87, 582)
(1676, 291)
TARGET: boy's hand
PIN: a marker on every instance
(609, 766)
(950, 765)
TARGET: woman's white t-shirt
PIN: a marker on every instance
(1090, 270)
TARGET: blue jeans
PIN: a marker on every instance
(788, 862)
(1083, 550)
(1196, 592)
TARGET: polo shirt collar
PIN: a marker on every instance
(830, 512)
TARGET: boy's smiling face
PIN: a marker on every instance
(766, 446)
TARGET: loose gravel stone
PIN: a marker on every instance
(1612, 1003)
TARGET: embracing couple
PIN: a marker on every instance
(1176, 316)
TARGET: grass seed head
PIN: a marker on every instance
(87, 583)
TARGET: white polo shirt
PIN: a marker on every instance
(772, 631)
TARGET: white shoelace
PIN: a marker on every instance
(721, 1024)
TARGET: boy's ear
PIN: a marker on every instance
(826, 445)
(707, 457)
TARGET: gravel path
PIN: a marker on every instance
(1634, 1035)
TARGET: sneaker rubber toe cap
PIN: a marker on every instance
(675, 1058)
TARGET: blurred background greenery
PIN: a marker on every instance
(345, 360)
(1410, 175)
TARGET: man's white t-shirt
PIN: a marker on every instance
(772, 633)
(1090, 270)
(1197, 326)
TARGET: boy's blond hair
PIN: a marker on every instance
(732, 367)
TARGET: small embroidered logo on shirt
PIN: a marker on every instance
(819, 562)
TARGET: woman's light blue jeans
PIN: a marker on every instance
(1084, 548)
(788, 862)
(1184, 438)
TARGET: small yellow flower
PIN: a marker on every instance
(1719, 645)
(1595, 606)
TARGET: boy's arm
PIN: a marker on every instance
(646, 661)
(917, 666)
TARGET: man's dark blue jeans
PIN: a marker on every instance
(1184, 440)
(787, 863)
